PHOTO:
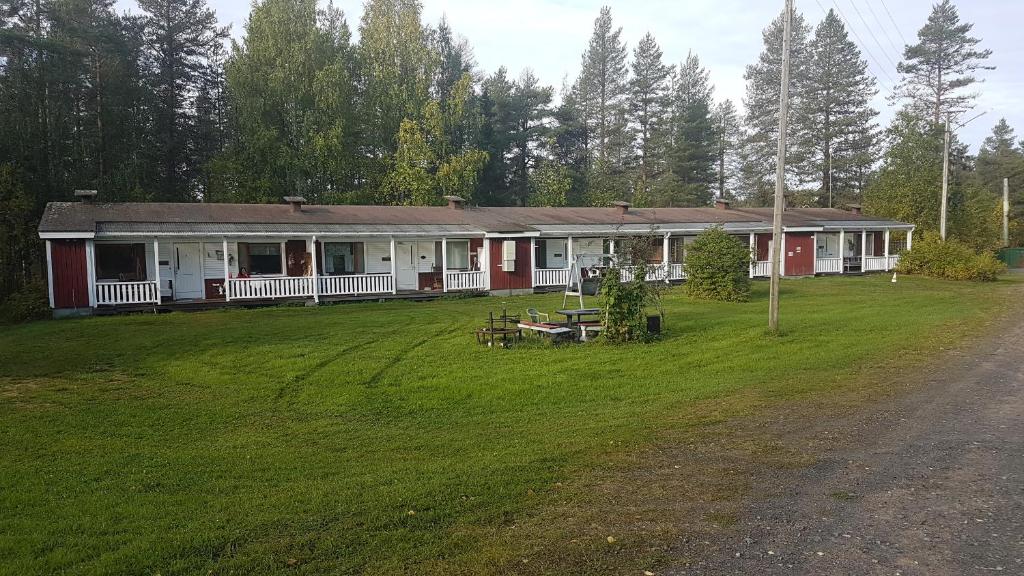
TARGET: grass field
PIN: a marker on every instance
(379, 438)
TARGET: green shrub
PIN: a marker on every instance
(950, 259)
(718, 267)
(30, 302)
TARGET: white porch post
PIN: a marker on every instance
(665, 257)
(814, 251)
(782, 256)
(842, 251)
(444, 263)
(227, 269)
(486, 264)
(313, 271)
(49, 271)
(568, 252)
(910, 239)
(90, 266)
(156, 269)
(886, 250)
(863, 249)
(533, 261)
(394, 269)
(753, 253)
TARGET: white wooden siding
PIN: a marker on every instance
(378, 256)
(214, 268)
(582, 246)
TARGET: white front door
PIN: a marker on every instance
(188, 271)
(406, 266)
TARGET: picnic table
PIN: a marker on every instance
(576, 315)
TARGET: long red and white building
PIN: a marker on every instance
(138, 255)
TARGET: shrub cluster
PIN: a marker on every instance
(30, 302)
(718, 267)
(950, 259)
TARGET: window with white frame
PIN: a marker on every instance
(260, 258)
(458, 255)
(828, 245)
(343, 258)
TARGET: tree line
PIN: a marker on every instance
(161, 106)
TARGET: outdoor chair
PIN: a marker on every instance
(535, 315)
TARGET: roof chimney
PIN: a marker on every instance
(855, 208)
(722, 204)
(296, 202)
(86, 195)
(455, 202)
(621, 206)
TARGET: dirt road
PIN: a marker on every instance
(930, 483)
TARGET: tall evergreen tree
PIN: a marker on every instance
(728, 133)
(180, 35)
(649, 113)
(835, 122)
(943, 62)
(1000, 156)
(295, 127)
(692, 155)
(764, 79)
(603, 90)
(396, 66)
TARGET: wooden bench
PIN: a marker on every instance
(555, 331)
(588, 327)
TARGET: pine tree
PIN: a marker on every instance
(179, 36)
(943, 62)
(692, 156)
(728, 133)
(762, 103)
(649, 113)
(602, 90)
(1000, 156)
(836, 133)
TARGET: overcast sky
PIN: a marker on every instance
(549, 37)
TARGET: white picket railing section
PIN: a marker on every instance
(762, 268)
(113, 293)
(284, 287)
(875, 263)
(828, 265)
(655, 272)
(550, 276)
(466, 280)
(355, 284)
(676, 272)
(894, 259)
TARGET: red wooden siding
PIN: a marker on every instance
(762, 244)
(799, 254)
(522, 278)
(474, 246)
(70, 274)
(879, 243)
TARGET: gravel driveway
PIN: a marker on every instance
(929, 483)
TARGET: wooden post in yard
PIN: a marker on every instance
(1006, 212)
(780, 173)
(945, 182)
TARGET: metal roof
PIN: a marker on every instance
(154, 218)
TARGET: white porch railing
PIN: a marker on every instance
(762, 268)
(113, 293)
(676, 272)
(875, 263)
(894, 259)
(828, 265)
(282, 287)
(355, 284)
(466, 280)
(550, 276)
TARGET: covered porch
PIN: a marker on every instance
(860, 251)
(131, 271)
(553, 257)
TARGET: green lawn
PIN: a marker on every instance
(381, 438)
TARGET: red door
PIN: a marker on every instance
(799, 254)
(69, 274)
(519, 279)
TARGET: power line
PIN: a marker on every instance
(882, 28)
(862, 47)
(872, 33)
(894, 25)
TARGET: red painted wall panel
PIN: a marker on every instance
(799, 254)
(522, 278)
(70, 274)
(879, 243)
(761, 243)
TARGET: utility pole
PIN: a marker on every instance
(945, 182)
(1006, 212)
(780, 175)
